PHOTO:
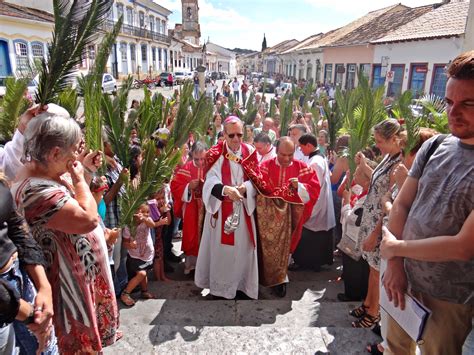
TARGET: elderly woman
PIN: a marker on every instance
(62, 214)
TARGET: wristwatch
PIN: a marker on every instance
(30, 319)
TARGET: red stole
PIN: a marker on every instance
(227, 204)
(249, 164)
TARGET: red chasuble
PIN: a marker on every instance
(277, 185)
(194, 211)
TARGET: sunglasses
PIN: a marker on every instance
(232, 135)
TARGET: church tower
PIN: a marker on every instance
(191, 28)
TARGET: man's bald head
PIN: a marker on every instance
(285, 150)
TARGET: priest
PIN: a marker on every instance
(186, 188)
(283, 206)
(227, 259)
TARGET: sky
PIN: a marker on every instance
(242, 23)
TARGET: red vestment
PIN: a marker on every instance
(278, 186)
(191, 212)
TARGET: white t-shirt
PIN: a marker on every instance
(235, 85)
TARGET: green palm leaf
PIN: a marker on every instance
(75, 27)
(13, 105)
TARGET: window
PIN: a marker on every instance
(158, 25)
(365, 68)
(395, 85)
(37, 49)
(339, 76)
(418, 78)
(351, 75)
(327, 73)
(144, 49)
(152, 23)
(377, 78)
(130, 16)
(123, 51)
(163, 26)
(141, 17)
(159, 54)
(438, 83)
(21, 52)
(153, 54)
(119, 10)
(133, 52)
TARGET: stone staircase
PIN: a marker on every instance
(183, 320)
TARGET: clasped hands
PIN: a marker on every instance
(235, 193)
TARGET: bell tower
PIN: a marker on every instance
(191, 28)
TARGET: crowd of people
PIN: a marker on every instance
(249, 204)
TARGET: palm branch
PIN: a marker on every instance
(401, 110)
(435, 115)
(75, 27)
(113, 115)
(69, 100)
(91, 86)
(286, 110)
(13, 105)
(359, 121)
(272, 110)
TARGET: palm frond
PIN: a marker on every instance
(286, 110)
(434, 113)
(69, 100)
(75, 27)
(13, 105)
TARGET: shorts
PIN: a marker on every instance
(136, 265)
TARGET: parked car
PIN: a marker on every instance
(268, 83)
(108, 86)
(223, 75)
(214, 75)
(164, 79)
(282, 89)
(180, 77)
(32, 86)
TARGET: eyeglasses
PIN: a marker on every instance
(232, 135)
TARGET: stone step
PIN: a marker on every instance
(188, 339)
(307, 312)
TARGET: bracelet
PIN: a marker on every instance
(30, 319)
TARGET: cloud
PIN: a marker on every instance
(361, 7)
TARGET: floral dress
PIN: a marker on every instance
(372, 207)
(85, 309)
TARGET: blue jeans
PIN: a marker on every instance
(196, 91)
(7, 340)
(468, 347)
(18, 280)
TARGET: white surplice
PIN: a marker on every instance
(224, 269)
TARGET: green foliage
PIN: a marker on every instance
(91, 86)
(402, 111)
(192, 116)
(69, 100)
(434, 113)
(286, 111)
(335, 116)
(113, 113)
(362, 108)
(13, 105)
(75, 27)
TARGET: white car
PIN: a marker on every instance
(32, 86)
(109, 84)
(282, 89)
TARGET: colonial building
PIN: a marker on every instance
(415, 56)
(271, 62)
(142, 47)
(24, 33)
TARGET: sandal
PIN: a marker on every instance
(127, 299)
(148, 295)
(374, 349)
(359, 311)
(367, 321)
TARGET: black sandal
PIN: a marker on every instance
(374, 349)
(359, 311)
(367, 321)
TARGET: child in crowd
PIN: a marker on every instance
(162, 217)
(140, 255)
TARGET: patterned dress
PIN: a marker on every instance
(379, 185)
(85, 308)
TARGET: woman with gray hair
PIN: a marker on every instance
(62, 214)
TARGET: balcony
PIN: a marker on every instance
(137, 32)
